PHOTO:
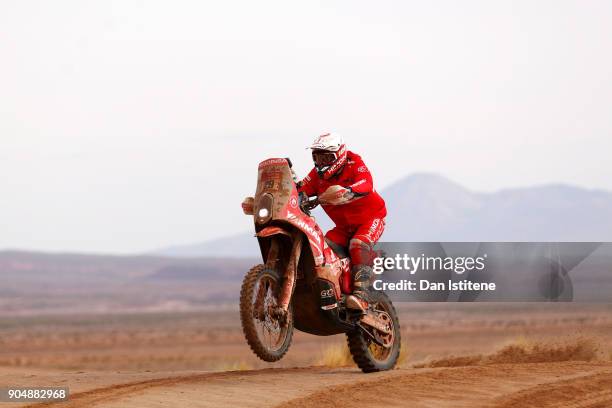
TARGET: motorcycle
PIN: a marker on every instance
(303, 284)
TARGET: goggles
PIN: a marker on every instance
(322, 158)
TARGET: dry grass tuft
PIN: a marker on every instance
(338, 355)
(335, 355)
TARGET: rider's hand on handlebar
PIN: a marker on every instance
(308, 203)
(337, 195)
(311, 203)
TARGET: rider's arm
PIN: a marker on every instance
(362, 185)
(309, 184)
(363, 180)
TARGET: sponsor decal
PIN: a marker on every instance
(362, 169)
(293, 202)
(339, 163)
(271, 162)
(321, 139)
(360, 182)
(314, 235)
(319, 255)
(329, 307)
(327, 293)
(373, 230)
(303, 225)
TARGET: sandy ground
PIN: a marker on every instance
(566, 384)
(201, 360)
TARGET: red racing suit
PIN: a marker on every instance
(359, 221)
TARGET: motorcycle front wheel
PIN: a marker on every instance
(268, 336)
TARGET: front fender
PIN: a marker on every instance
(272, 230)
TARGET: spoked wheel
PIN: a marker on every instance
(381, 354)
(268, 335)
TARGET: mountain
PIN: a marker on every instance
(428, 207)
(48, 283)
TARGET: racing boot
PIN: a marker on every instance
(360, 299)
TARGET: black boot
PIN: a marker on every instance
(362, 276)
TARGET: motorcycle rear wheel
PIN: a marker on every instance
(268, 336)
(368, 355)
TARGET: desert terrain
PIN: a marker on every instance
(146, 331)
(454, 355)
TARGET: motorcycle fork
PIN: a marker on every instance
(290, 273)
(271, 262)
(272, 254)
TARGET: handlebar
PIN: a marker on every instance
(308, 203)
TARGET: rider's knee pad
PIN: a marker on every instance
(361, 251)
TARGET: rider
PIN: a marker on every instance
(346, 192)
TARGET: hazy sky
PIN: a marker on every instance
(130, 125)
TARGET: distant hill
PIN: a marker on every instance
(428, 207)
(34, 283)
(422, 207)
(431, 208)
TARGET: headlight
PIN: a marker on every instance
(264, 209)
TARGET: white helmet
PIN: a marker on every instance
(328, 154)
(327, 141)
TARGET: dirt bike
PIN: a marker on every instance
(303, 283)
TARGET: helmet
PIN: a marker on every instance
(328, 154)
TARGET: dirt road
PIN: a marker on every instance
(566, 384)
